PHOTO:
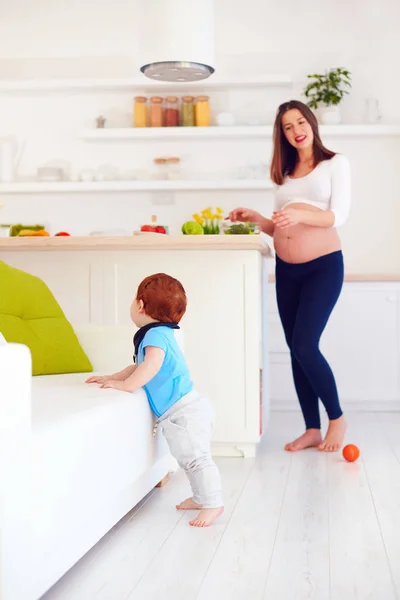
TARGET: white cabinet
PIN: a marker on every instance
(361, 342)
(223, 326)
(223, 330)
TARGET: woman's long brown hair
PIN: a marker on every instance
(285, 156)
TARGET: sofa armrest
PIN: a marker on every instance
(15, 471)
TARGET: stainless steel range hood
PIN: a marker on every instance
(177, 40)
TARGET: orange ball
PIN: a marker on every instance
(351, 452)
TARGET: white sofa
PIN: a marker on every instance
(74, 460)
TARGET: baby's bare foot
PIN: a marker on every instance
(207, 516)
(188, 504)
(334, 436)
(310, 439)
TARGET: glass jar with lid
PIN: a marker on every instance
(160, 168)
(173, 168)
(156, 111)
(203, 113)
(140, 112)
(187, 111)
(172, 112)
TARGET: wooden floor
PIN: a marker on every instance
(296, 527)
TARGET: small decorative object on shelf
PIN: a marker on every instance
(167, 168)
(156, 112)
(140, 112)
(100, 122)
(172, 112)
(372, 111)
(173, 168)
(326, 92)
(50, 174)
(210, 221)
(160, 168)
(203, 114)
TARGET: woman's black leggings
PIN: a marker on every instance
(306, 294)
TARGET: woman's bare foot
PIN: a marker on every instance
(334, 436)
(310, 439)
(188, 504)
(207, 516)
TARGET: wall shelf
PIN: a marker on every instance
(242, 132)
(59, 187)
(360, 130)
(144, 85)
(170, 133)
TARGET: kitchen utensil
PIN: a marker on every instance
(10, 157)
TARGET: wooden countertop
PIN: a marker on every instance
(168, 242)
(138, 242)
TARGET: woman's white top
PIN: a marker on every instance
(327, 187)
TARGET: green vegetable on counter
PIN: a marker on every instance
(192, 228)
(15, 229)
(241, 229)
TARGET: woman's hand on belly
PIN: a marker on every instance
(286, 218)
(299, 213)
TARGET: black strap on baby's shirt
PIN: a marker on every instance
(139, 335)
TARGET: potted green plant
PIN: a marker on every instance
(325, 92)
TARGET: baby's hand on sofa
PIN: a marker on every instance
(112, 383)
(98, 379)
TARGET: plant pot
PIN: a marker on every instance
(329, 115)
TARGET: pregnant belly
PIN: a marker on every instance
(302, 243)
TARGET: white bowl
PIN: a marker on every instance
(148, 233)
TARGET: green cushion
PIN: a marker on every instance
(30, 315)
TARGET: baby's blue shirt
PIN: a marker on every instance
(172, 381)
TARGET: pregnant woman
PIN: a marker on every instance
(312, 199)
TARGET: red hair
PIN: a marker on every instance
(164, 298)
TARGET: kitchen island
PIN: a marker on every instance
(225, 277)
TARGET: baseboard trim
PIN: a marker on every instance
(350, 405)
(234, 450)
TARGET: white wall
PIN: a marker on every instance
(84, 38)
(256, 35)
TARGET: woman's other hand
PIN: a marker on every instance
(245, 215)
